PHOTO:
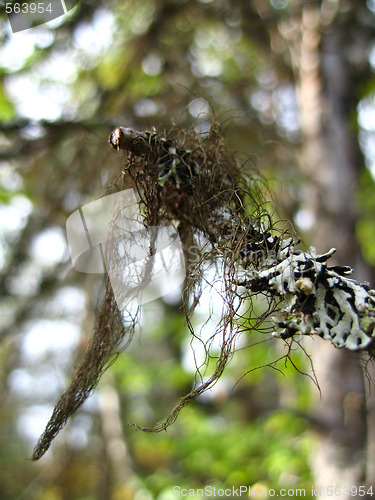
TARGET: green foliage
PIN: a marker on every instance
(216, 438)
(7, 109)
(272, 449)
(365, 226)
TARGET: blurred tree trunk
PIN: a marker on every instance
(370, 408)
(122, 480)
(331, 158)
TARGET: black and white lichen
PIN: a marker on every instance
(316, 299)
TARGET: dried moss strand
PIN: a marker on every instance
(225, 356)
(106, 337)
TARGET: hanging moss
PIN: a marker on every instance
(223, 217)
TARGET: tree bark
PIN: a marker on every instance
(331, 158)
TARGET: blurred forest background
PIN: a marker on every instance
(292, 84)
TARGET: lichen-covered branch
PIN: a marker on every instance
(314, 298)
(194, 184)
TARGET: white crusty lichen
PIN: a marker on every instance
(316, 299)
